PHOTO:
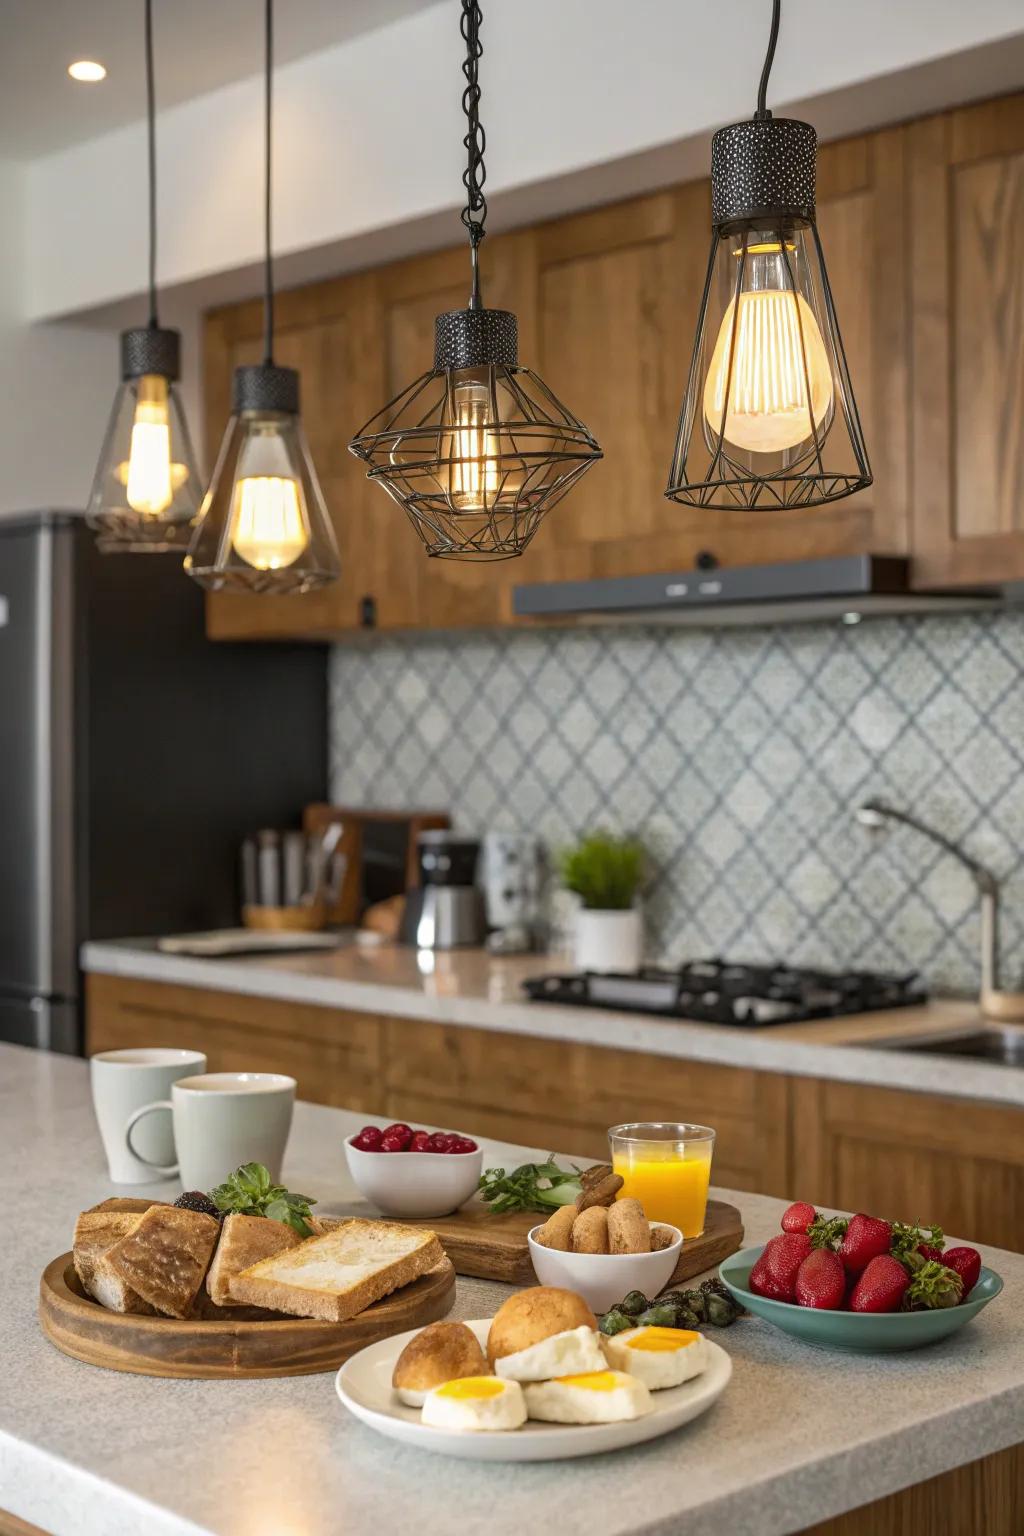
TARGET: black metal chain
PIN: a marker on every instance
(268, 275)
(762, 90)
(151, 153)
(474, 215)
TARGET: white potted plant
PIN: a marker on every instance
(605, 872)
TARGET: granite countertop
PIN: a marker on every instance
(798, 1436)
(475, 989)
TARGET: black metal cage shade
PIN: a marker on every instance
(476, 457)
(769, 420)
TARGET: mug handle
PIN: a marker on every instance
(133, 1121)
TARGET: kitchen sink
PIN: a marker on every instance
(1005, 1047)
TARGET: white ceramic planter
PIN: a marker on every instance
(608, 941)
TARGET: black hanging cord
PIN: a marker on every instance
(268, 277)
(762, 90)
(474, 215)
(151, 127)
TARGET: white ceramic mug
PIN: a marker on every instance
(220, 1120)
(122, 1081)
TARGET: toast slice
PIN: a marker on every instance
(342, 1273)
(96, 1232)
(166, 1256)
(244, 1241)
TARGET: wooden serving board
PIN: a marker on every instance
(214, 1348)
(495, 1248)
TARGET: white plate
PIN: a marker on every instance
(364, 1386)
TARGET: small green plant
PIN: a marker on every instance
(604, 871)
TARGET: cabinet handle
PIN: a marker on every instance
(368, 612)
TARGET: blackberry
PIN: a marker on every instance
(195, 1200)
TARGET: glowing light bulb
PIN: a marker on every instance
(149, 474)
(268, 523)
(473, 450)
(778, 353)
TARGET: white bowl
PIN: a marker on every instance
(414, 1183)
(604, 1279)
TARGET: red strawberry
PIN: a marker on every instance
(821, 1280)
(928, 1251)
(880, 1286)
(967, 1264)
(798, 1217)
(866, 1238)
(774, 1274)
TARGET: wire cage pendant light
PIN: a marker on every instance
(145, 491)
(478, 450)
(769, 418)
(264, 526)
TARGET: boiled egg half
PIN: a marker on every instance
(475, 1402)
(659, 1357)
(570, 1353)
(596, 1397)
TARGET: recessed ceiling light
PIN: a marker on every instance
(87, 70)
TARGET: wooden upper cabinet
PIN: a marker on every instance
(967, 293)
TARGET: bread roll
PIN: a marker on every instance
(557, 1230)
(590, 1231)
(629, 1231)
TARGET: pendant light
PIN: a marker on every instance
(146, 488)
(478, 449)
(769, 419)
(263, 526)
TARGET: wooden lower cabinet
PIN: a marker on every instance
(959, 1162)
(983, 1498)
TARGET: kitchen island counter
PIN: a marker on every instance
(473, 989)
(799, 1436)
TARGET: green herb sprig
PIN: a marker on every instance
(249, 1192)
(531, 1187)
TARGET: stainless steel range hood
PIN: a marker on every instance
(846, 587)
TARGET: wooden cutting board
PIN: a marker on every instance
(494, 1247)
(226, 1347)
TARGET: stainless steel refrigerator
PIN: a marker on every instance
(134, 757)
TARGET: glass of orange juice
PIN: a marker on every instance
(665, 1165)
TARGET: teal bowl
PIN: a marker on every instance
(861, 1332)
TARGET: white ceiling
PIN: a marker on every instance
(199, 45)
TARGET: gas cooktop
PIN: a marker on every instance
(718, 992)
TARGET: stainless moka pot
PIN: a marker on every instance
(447, 909)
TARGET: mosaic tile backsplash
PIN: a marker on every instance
(739, 757)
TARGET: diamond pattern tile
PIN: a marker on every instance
(738, 757)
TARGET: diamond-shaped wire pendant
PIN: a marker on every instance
(479, 450)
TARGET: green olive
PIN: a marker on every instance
(635, 1303)
(614, 1322)
(661, 1315)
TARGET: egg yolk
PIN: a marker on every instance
(662, 1340)
(592, 1381)
(472, 1386)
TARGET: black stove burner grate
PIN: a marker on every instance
(719, 992)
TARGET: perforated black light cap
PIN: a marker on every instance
(265, 387)
(151, 349)
(765, 167)
(475, 338)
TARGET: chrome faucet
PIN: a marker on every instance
(874, 814)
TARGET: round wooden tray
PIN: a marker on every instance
(162, 1346)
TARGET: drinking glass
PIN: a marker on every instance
(666, 1165)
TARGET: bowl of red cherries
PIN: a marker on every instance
(408, 1172)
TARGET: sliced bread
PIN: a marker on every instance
(166, 1256)
(342, 1273)
(244, 1240)
(96, 1232)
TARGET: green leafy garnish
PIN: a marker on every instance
(532, 1187)
(827, 1232)
(907, 1237)
(249, 1192)
(932, 1285)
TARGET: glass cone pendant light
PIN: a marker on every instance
(263, 526)
(768, 419)
(146, 489)
(478, 450)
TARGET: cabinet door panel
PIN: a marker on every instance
(967, 291)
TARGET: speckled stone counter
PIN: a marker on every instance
(799, 1435)
(476, 990)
